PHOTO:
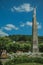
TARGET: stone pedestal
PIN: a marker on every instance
(4, 54)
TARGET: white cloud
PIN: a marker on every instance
(26, 7)
(30, 24)
(12, 9)
(37, 23)
(26, 24)
(39, 26)
(10, 27)
(3, 33)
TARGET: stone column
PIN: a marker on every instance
(35, 48)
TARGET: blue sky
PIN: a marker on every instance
(16, 17)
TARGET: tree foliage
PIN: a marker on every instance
(22, 43)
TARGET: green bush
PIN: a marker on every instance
(23, 59)
(9, 63)
(41, 47)
(1, 63)
(42, 55)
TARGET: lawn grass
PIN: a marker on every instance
(29, 64)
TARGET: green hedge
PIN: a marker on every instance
(24, 59)
(13, 47)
